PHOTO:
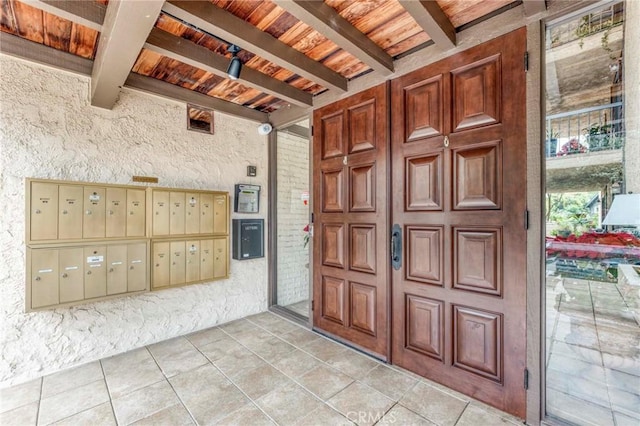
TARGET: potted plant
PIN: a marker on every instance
(572, 147)
(601, 137)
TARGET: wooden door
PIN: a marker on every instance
(350, 278)
(458, 185)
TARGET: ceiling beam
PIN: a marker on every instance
(532, 7)
(287, 116)
(126, 27)
(200, 57)
(171, 91)
(324, 19)
(226, 25)
(36, 52)
(433, 21)
(87, 13)
(297, 130)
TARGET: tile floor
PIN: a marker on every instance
(301, 307)
(262, 370)
(593, 354)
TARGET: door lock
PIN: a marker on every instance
(446, 141)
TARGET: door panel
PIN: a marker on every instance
(161, 214)
(93, 224)
(44, 211)
(193, 261)
(70, 216)
(71, 273)
(161, 264)
(136, 213)
(177, 213)
(116, 219)
(206, 213)
(351, 220)
(117, 269)
(137, 270)
(206, 262)
(192, 219)
(458, 179)
(95, 278)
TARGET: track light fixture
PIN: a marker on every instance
(235, 66)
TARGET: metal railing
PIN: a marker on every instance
(592, 23)
(592, 129)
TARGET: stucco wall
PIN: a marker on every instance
(293, 215)
(49, 130)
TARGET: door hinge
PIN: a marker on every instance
(526, 61)
(526, 219)
(312, 217)
(313, 305)
(526, 378)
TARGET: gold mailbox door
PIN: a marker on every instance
(70, 212)
(71, 273)
(176, 208)
(136, 213)
(44, 278)
(161, 264)
(206, 255)
(44, 211)
(137, 267)
(220, 215)
(192, 207)
(95, 272)
(93, 224)
(193, 261)
(177, 263)
(206, 213)
(116, 219)
(117, 269)
(220, 253)
(160, 213)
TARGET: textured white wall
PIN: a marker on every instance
(293, 215)
(49, 130)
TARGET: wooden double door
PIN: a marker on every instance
(420, 221)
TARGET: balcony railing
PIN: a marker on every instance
(592, 129)
(592, 23)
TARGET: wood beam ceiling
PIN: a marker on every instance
(324, 19)
(171, 91)
(200, 57)
(36, 52)
(126, 27)
(433, 21)
(532, 7)
(221, 23)
(87, 13)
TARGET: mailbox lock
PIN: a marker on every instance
(130, 212)
(110, 212)
(157, 264)
(38, 212)
(88, 272)
(65, 275)
(157, 213)
(131, 267)
(88, 212)
(37, 278)
(64, 212)
(110, 269)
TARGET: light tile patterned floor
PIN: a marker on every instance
(593, 354)
(301, 307)
(262, 370)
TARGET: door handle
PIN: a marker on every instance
(396, 247)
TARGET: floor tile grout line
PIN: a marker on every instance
(293, 379)
(606, 379)
(237, 387)
(106, 383)
(39, 401)
(166, 378)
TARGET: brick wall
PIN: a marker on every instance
(293, 215)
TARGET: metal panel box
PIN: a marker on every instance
(248, 238)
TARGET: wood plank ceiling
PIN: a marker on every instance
(291, 50)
